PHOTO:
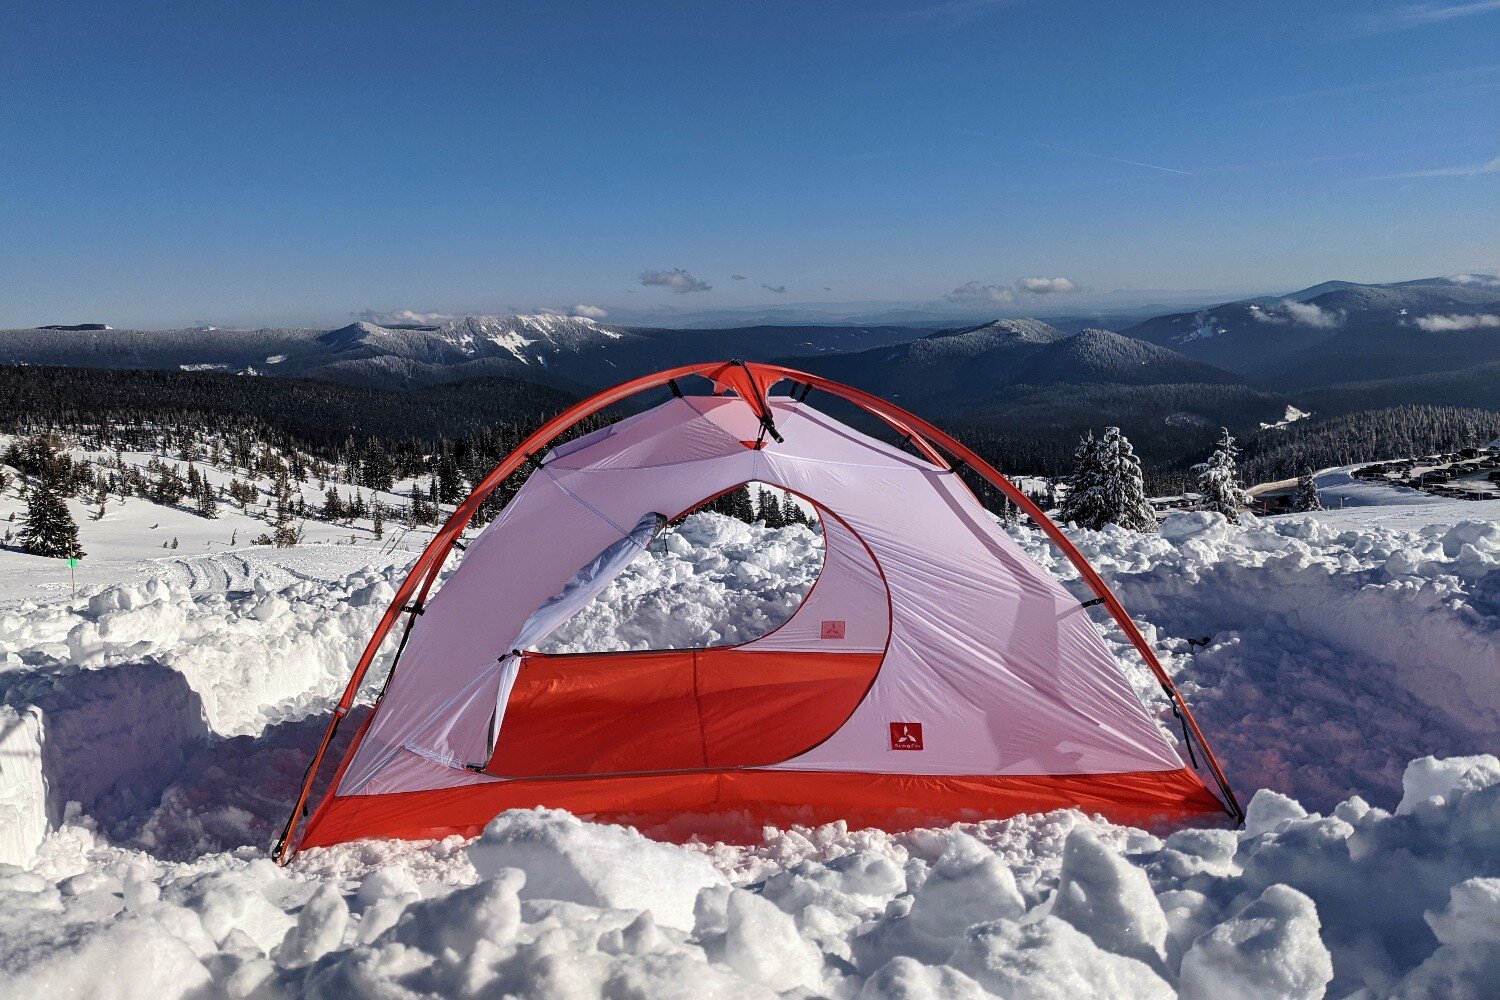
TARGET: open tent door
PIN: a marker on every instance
(746, 705)
(581, 588)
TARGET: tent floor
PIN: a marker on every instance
(735, 805)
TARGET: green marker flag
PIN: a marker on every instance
(72, 562)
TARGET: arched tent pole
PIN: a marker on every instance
(906, 421)
(742, 377)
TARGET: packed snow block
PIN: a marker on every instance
(461, 921)
(319, 929)
(762, 943)
(135, 958)
(1467, 965)
(23, 785)
(236, 906)
(1270, 950)
(567, 859)
(1050, 960)
(968, 885)
(113, 739)
(1109, 899)
(904, 978)
(1268, 809)
(1431, 781)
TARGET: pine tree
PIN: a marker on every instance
(333, 506)
(768, 509)
(791, 511)
(1306, 498)
(208, 503)
(1219, 480)
(378, 524)
(1107, 486)
(48, 526)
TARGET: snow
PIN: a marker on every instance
(153, 729)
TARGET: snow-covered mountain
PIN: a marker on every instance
(566, 351)
(1274, 334)
(953, 370)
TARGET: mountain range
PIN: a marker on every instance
(1409, 341)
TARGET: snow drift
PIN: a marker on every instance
(150, 738)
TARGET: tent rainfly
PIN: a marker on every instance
(932, 673)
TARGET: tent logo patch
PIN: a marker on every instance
(833, 630)
(906, 736)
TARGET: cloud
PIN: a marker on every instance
(1447, 324)
(778, 289)
(977, 291)
(402, 317)
(589, 312)
(736, 277)
(1464, 170)
(1305, 313)
(1433, 13)
(677, 280)
(1046, 286)
(1474, 279)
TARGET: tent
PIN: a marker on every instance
(932, 673)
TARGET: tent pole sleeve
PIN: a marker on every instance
(428, 565)
(909, 423)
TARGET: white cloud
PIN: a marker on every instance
(1431, 13)
(1046, 286)
(1474, 279)
(677, 280)
(1438, 323)
(1309, 314)
(976, 291)
(402, 317)
(589, 312)
(1305, 313)
(1463, 170)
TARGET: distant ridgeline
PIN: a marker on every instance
(1022, 427)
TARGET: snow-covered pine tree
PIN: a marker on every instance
(48, 528)
(1219, 480)
(377, 515)
(1306, 498)
(208, 502)
(333, 506)
(1107, 486)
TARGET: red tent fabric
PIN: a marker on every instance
(933, 672)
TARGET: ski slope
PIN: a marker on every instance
(1347, 668)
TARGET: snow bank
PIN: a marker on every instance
(150, 737)
(1327, 657)
(1383, 904)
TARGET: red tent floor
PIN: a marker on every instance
(734, 805)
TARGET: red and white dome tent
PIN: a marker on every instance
(932, 673)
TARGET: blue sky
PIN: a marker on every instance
(239, 163)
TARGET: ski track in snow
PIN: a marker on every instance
(153, 732)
